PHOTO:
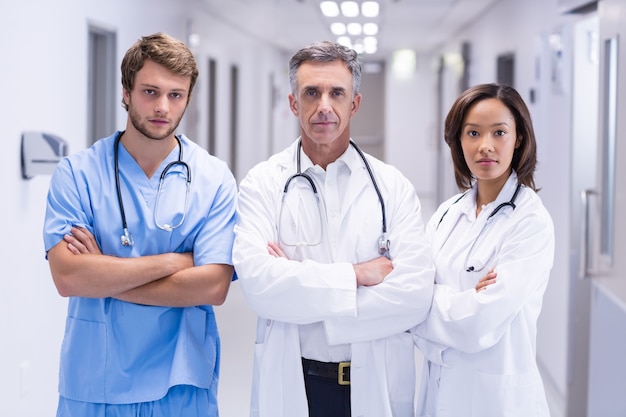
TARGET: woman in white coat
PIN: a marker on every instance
(493, 248)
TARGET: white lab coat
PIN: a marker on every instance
(318, 284)
(480, 348)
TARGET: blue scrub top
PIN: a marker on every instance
(118, 352)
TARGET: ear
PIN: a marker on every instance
(293, 104)
(125, 96)
(518, 141)
(356, 103)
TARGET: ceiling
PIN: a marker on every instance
(421, 25)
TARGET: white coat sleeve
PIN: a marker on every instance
(469, 321)
(403, 299)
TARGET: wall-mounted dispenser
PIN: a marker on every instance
(41, 152)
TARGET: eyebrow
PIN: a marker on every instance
(314, 87)
(493, 125)
(156, 87)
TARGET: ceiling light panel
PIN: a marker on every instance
(370, 28)
(350, 21)
(338, 28)
(354, 28)
(350, 8)
(329, 8)
(370, 8)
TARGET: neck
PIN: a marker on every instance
(148, 153)
(488, 191)
(323, 154)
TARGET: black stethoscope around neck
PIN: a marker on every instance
(383, 242)
(127, 238)
(510, 203)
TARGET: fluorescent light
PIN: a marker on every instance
(338, 28)
(369, 8)
(350, 8)
(370, 41)
(345, 41)
(370, 29)
(355, 29)
(370, 44)
(370, 49)
(329, 8)
(403, 63)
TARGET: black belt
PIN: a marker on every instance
(338, 371)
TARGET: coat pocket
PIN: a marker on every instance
(504, 395)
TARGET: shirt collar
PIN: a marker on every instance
(349, 158)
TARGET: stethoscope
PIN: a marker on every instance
(383, 242)
(510, 203)
(127, 239)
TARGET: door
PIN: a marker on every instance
(607, 244)
(585, 93)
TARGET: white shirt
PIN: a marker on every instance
(313, 293)
(331, 187)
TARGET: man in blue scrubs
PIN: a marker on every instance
(138, 233)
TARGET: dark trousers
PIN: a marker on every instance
(326, 398)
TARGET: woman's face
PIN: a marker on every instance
(488, 140)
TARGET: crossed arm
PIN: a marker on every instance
(170, 279)
(374, 271)
(368, 273)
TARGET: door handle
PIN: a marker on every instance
(586, 249)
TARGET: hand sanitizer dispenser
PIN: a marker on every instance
(41, 152)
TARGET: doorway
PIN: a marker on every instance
(101, 83)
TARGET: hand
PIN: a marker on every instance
(82, 241)
(372, 272)
(487, 280)
(276, 251)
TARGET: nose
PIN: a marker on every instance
(486, 144)
(324, 106)
(161, 105)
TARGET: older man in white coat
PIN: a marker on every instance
(333, 259)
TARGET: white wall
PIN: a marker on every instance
(44, 69)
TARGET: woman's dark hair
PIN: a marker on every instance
(525, 155)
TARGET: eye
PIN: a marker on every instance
(338, 93)
(150, 92)
(310, 93)
(176, 95)
(500, 133)
(472, 133)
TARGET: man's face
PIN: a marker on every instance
(324, 101)
(158, 100)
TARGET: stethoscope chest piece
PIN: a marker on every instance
(127, 239)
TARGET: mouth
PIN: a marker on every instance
(160, 122)
(486, 161)
(323, 122)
